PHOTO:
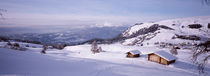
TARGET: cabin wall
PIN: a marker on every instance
(131, 55)
(155, 58)
(137, 55)
(171, 61)
(163, 61)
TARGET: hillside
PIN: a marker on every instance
(174, 31)
(80, 61)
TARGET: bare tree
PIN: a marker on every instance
(94, 47)
(44, 48)
(203, 50)
(174, 50)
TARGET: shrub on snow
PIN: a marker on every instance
(95, 48)
(44, 48)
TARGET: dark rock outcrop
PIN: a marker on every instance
(190, 37)
(138, 23)
(166, 27)
(195, 26)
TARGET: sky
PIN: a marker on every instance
(91, 13)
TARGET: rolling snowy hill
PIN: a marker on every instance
(80, 61)
(169, 31)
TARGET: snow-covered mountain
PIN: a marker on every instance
(174, 31)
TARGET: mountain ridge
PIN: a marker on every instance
(175, 31)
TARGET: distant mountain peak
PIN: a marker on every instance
(171, 31)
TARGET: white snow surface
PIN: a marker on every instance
(165, 55)
(134, 52)
(80, 61)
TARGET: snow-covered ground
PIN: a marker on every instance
(79, 61)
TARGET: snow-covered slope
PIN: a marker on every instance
(79, 61)
(170, 31)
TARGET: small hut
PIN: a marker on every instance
(161, 57)
(133, 53)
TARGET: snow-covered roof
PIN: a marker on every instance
(134, 52)
(165, 55)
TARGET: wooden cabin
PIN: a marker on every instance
(161, 57)
(133, 54)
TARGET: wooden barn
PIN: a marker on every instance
(161, 57)
(133, 54)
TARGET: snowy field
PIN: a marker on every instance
(79, 61)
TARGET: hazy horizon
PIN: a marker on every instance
(95, 13)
